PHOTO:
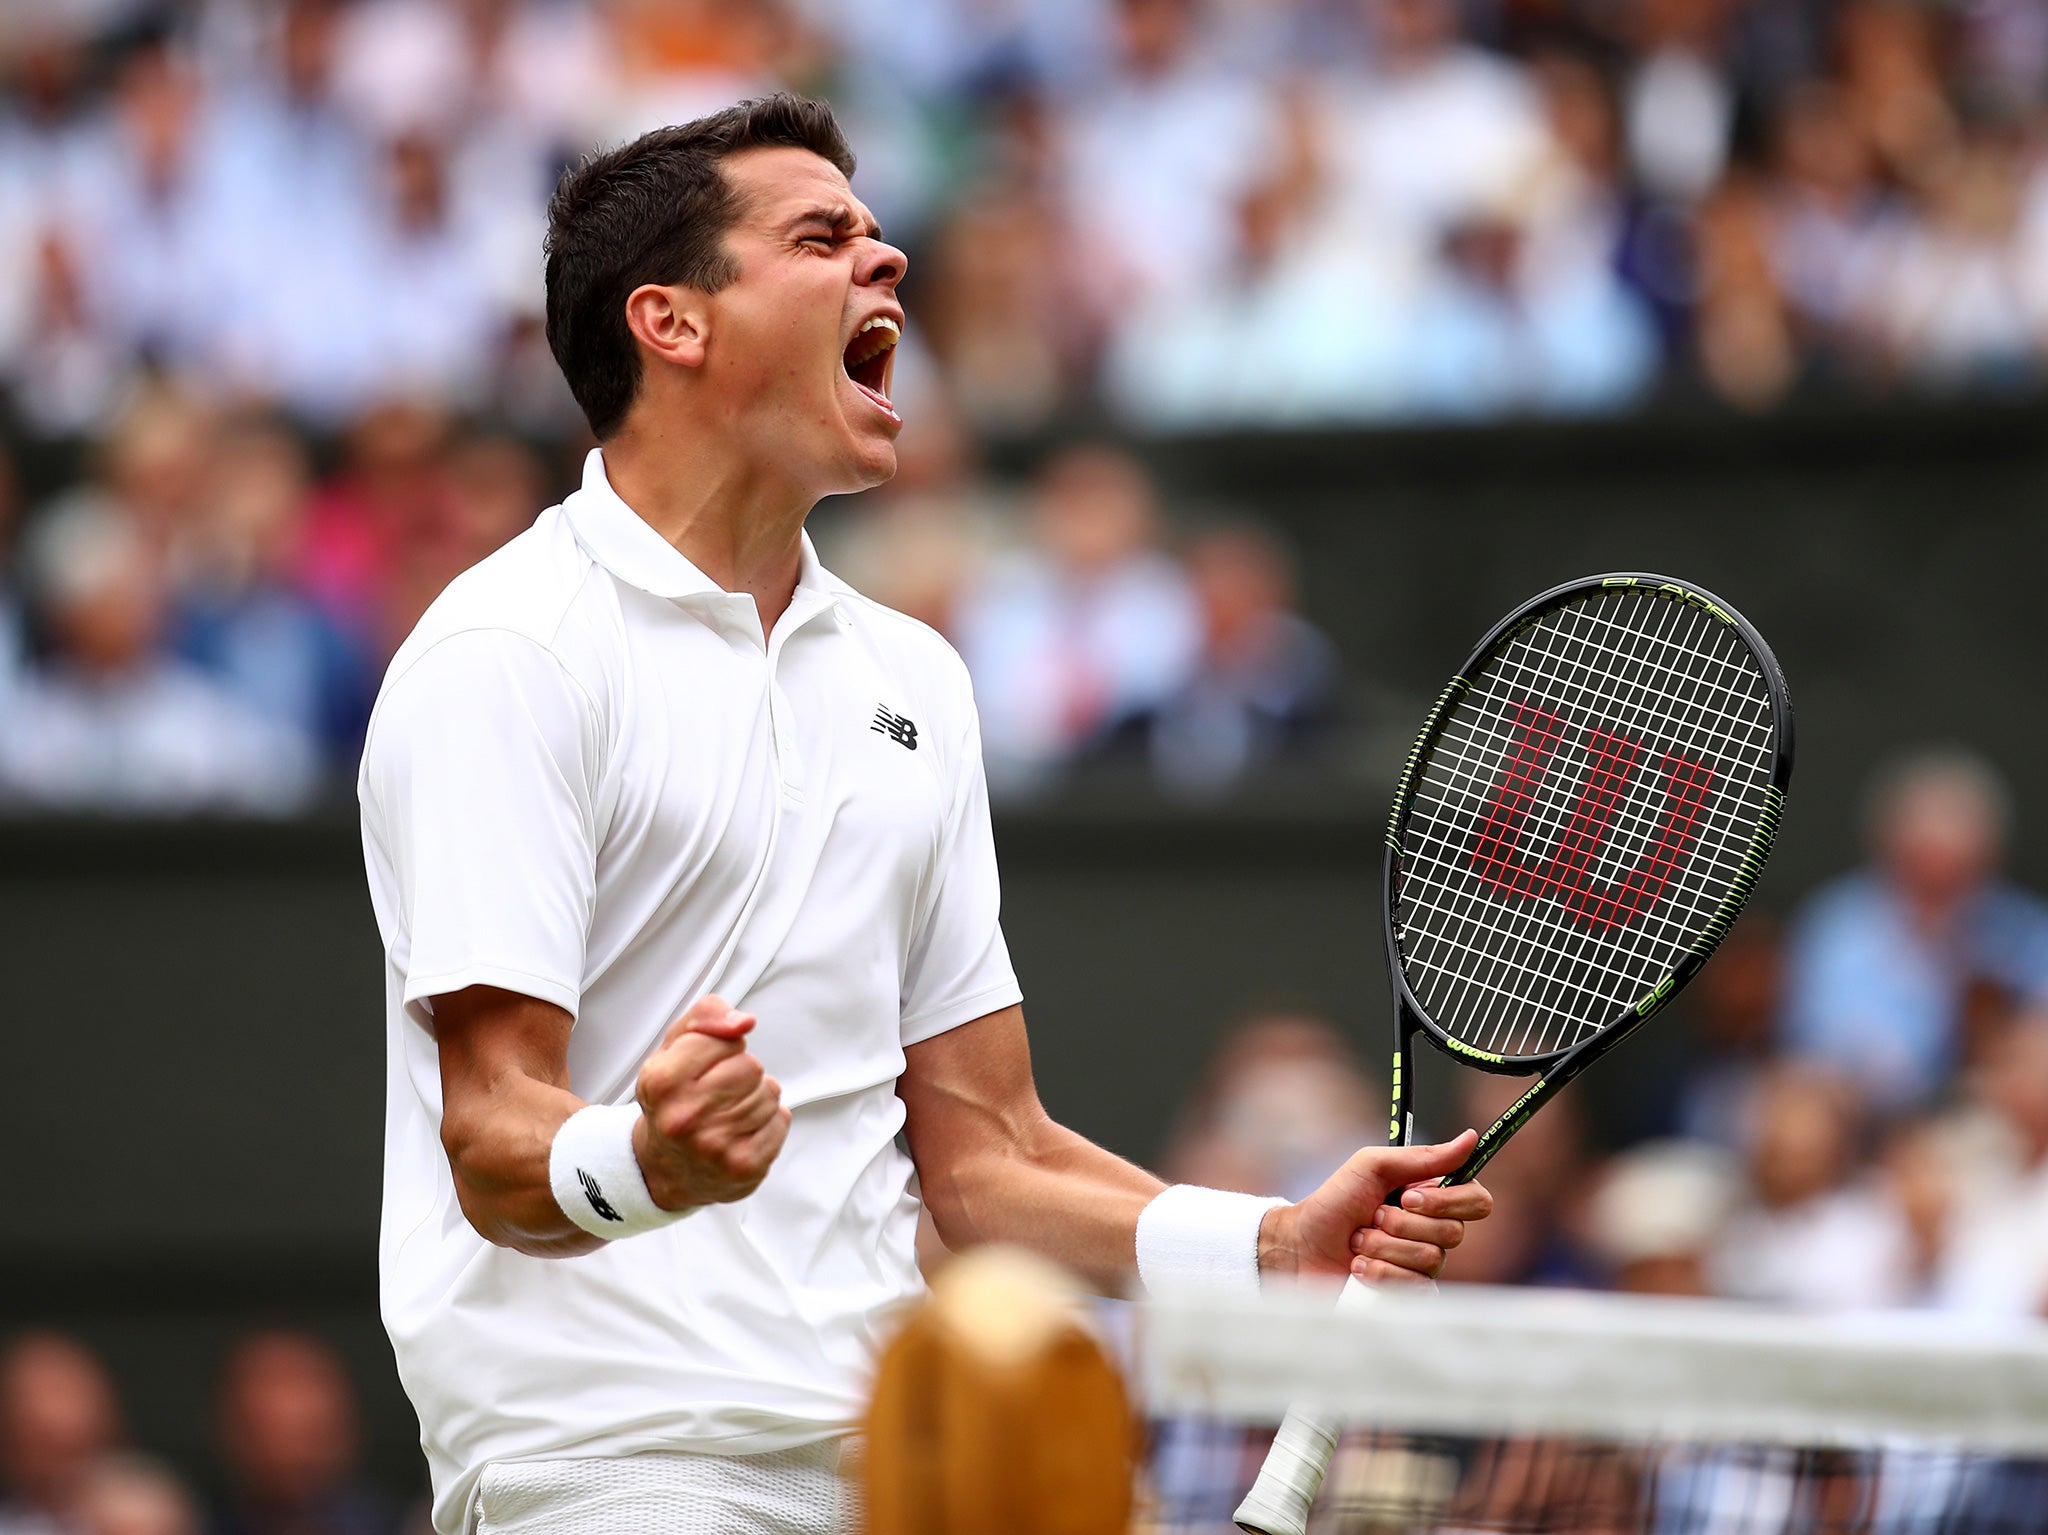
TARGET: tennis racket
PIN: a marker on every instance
(1586, 810)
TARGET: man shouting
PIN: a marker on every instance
(680, 851)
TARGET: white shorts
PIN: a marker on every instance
(805, 1491)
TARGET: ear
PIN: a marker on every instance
(673, 322)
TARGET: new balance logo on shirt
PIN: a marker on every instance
(595, 1195)
(895, 727)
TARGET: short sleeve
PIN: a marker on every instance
(959, 967)
(479, 792)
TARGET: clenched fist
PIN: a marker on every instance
(711, 1118)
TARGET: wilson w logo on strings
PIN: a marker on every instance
(1613, 761)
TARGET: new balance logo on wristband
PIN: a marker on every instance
(595, 1195)
(895, 727)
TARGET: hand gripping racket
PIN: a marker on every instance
(1586, 810)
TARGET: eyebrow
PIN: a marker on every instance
(839, 217)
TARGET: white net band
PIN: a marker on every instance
(1479, 1362)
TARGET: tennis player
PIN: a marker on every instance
(680, 851)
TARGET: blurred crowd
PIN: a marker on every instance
(269, 302)
(199, 622)
(1192, 211)
(1848, 1112)
(285, 1430)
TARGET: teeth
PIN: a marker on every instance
(865, 347)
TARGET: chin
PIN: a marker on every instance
(878, 465)
(867, 454)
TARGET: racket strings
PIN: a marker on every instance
(1580, 819)
(1593, 988)
(1473, 761)
(1633, 828)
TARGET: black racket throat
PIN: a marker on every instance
(1547, 1085)
(1582, 818)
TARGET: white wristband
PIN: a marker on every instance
(597, 1179)
(1192, 1238)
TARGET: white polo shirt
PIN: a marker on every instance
(589, 780)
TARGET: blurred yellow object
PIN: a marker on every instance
(997, 1412)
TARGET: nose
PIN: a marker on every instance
(882, 264)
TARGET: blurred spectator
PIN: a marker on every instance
(140, 188)
(1890, 64)
(1083, 630)
(1955, 296)
(1495, 332)
(1004, 319)
(1681, 102)
(133, 1495)
(492, 491)
(112, 721)
(1656, 1216)
(1830, 225)
(1199, 213)
(1998, 1264)
(1539, 1181)
(1156, 158)
(1730, 1009)
(681, 58)
(1522, 308)
(437, 324)
(175, 179)
(242, 617)
(1313, 330)
(1815, 1232)
(1284, 1100)
(298, 175)
(57, 1417)
(1264, 687)
(62, 372)
(537, 70)
(158, 456)
(1745, 345)
(1879, 964)
(1926, 1164)
(289, 1439)
(1478, 113)
(392, 492)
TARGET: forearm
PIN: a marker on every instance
(498, 1150)
(1042, 1186)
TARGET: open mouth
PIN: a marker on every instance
(867, 360)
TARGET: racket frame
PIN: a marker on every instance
(1280, 1501)
(1557, 1068)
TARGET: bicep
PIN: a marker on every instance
(970, 1089)
(992, 1165)
(489, 1039)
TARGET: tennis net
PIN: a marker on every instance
(1504, 1410)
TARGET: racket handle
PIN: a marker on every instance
(1280, 1499)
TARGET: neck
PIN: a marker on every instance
(737, 521)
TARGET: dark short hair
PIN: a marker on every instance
(655, 211)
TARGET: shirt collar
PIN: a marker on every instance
(620, 539)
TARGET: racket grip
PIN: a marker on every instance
(1288, 1482)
